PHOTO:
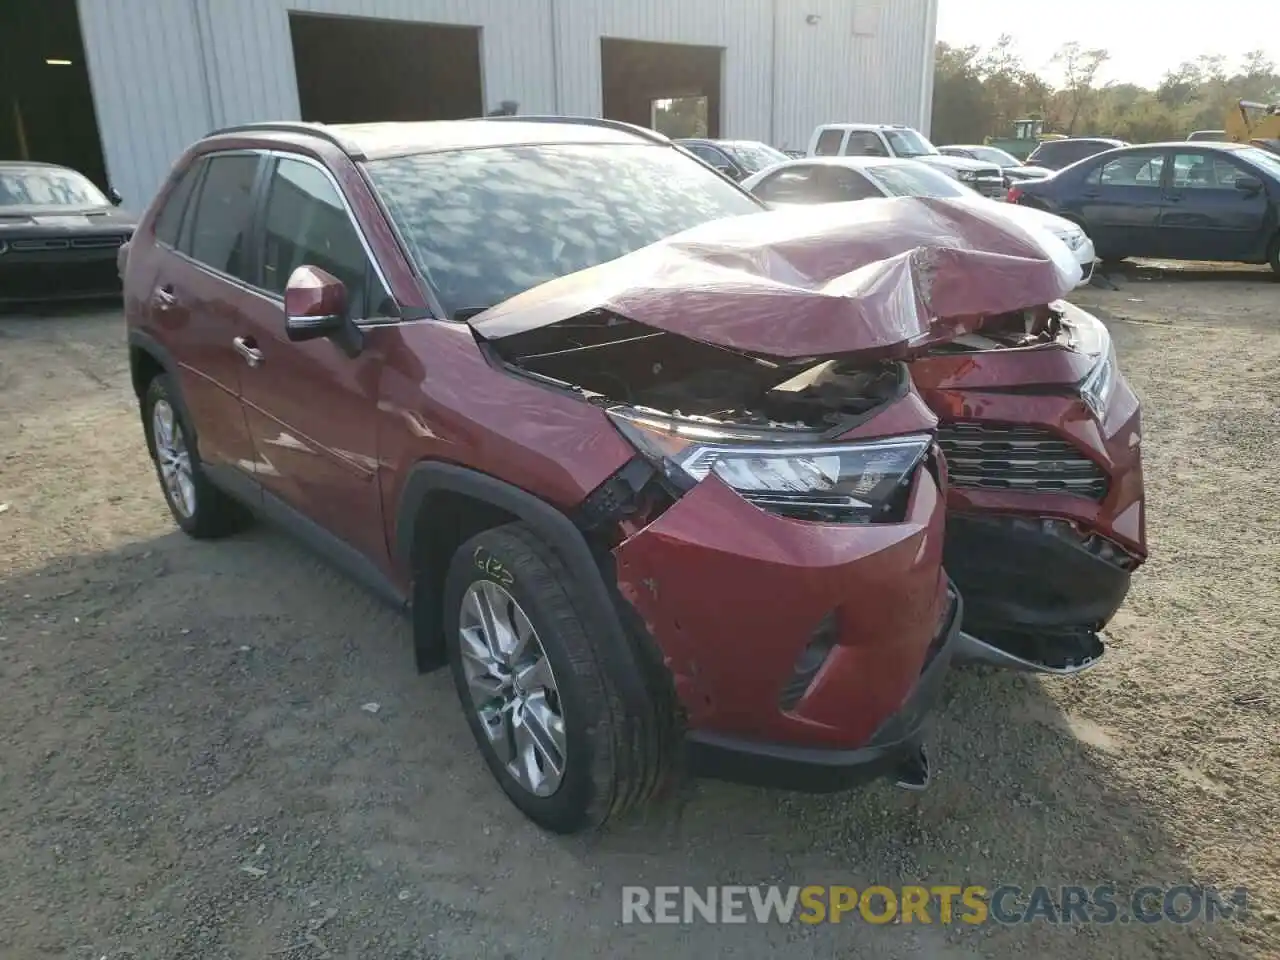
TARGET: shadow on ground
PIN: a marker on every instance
(222, 749)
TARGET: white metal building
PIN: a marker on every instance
(163, 73)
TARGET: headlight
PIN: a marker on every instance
(1074, 239)
(967, 175)
(865, 482)
(1091, 338)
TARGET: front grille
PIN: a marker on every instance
(107, 242)
(52, 279)
(985, 456)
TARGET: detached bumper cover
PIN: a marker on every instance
(1034, 590)
(893, 751)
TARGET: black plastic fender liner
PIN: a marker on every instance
(141, 340)
(558, 530)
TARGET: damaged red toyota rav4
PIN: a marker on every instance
(645, 465)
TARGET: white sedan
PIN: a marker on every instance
(842, 179)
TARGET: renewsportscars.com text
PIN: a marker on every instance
(935, 904)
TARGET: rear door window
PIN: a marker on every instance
(865, 143)
(306, 223)
(846, 185)
(709, 155)
(829, 141)
(169, 220)
(221, 226)
(1130, 170)
(793, 185)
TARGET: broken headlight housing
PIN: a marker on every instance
(842, 482)
(1090, 337)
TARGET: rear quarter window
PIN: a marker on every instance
(169, 219)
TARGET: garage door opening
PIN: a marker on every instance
(357, 70)
(46, 105)
(640, 80)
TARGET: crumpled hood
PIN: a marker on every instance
(868, 277)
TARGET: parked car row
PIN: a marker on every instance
(1180, 201)
(668, 479)
(59, 234)
(844, 179)
(1189, 200)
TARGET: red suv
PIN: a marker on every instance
(682, 506)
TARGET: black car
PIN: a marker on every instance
(1172, 201)
(736, 159)
(1014, 170)
(59, 235)
(1057, 154)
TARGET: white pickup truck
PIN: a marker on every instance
(896, 140)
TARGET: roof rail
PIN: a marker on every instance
(295, 126)
(619, 125)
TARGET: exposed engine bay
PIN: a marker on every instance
(1038, 327)
(610, 359)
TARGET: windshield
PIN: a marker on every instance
(1269, 162)
(47, 187)
(914, 180)
(997, 156)
(485, 225)
(908, 143)
(755, 157)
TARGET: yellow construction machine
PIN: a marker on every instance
(1256, 123)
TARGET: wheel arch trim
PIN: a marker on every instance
(549, 523)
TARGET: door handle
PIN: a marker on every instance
(244, 346)
(1173, 199)
(164, 298)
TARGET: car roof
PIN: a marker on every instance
(720, 141)
(864, 126)
(377, 141)
(1183, 145)
(850, 162)
(1070, 140)
(31, 165)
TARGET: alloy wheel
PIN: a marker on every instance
(512, 687)
(173, 458)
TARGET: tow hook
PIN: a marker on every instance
(913, 770)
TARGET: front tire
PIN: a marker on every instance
(1274, 257)
(198, 507)
(544, 711)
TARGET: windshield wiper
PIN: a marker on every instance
(466, 313)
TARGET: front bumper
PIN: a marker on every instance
(47, 276)
(993, 188)
(1037, 592)
(1046, 505)
(895, 750)
(788, 632)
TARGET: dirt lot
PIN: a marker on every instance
(186, 770)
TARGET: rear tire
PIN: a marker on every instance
(590, 765)
(198, 507)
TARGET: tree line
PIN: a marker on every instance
(981, 91)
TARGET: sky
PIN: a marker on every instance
(1146, 37)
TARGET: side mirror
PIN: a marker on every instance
(727, 170)
(1249, 185)
(315, 304)
(114, 196)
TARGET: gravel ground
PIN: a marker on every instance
(188, 770)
